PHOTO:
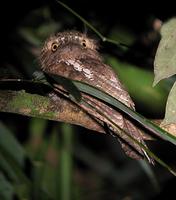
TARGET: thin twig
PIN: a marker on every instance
(103, 38)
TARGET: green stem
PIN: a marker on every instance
(103, 38)
(66, 162)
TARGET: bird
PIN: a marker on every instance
(74, 55)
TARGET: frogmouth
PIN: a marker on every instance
(74, 55)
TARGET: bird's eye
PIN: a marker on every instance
(54, 46)
(84, 43)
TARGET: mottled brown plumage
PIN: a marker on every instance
(73, 55)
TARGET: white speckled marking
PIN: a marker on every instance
(124, 98)
(115, 83)
(87, 71)
(78, 67)
(62, 38)
(75, 64)
(88, 74)
(113, 79)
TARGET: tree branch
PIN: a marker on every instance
(34, 105)
(55, 108)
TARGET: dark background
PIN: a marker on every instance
(101, 170)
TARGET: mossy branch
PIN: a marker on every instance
(34, 105)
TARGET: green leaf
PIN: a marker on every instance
(6, 188)
(9, 142)
(50, 170)
(12, 157)
(15, 173)
(67, 85)
(170, 115)
(165, 59)
(119, 105)
(37, 147)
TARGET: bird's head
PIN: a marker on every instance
(68, 45)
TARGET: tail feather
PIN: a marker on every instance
(132, 145)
